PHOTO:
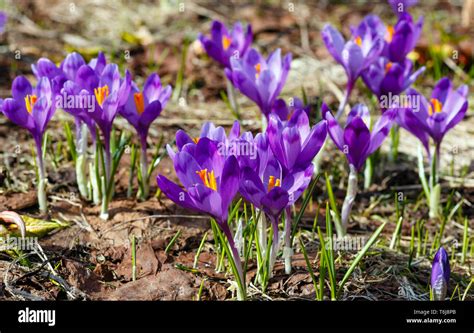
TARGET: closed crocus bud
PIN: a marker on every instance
(440, 274)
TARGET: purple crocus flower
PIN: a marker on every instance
(268, 188)
(355, 55)
(110, 92)
(224, 45)
(434, 118)
(399, 40)
(284, 111)
(401, 6)
(295, 143)
(357, 143)
(440, 272)
(32, 109)
(385, 78)
(3, 21)
(356, 140)
(210, 180)
(141, 109)
(259, 79)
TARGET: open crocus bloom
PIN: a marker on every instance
(30, 108)
(210, 180)
(399, 40)
(356, 140)
(224, 44)
(440, 273)
(271, 191)
(295, 143)
(384, 77)
(355, 55)
(142, 108)
(434, 118)
(109, 90)
(259, 79)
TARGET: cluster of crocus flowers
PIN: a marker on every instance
(378, 53)
(141, 109)
(93, 93)
(356, 55)
(32, 108)
(433, 118)
(211, 181)
(357, 142)
(392, 73)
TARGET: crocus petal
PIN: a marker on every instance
(186, 167)
(21, 87)
(152, 88)
(357, 141)
(87, 78)
(335, 131)
(251, 187)
(275, 201)
(17, 113)
(71, 65)
(381, 130)
(313, 144)
(441, 89)
(230, 181)
(151, 112)
(175, 193)
(334, 42)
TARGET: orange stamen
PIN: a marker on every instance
(258, 68)
(388, 66)
(208, 178)
(30, 101)
(139, 102)
(226, 41)
(272, 182)
(196, 140)
(101, 93)
(389, 34)
(358, 41)
(435, 107)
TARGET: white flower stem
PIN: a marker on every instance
(81, 162)
(42, 201)
(349, 199)
(144, 170)
(288, 249)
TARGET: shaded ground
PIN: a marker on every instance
(93, 257)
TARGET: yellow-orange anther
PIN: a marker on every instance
(272, 182)
(358, 41)
(139, 102)
(101, 94)
(258, 68)
(30, 101)
(388, 66)
(389, 34)
(196, 140)
(435, 106)
(226, 41)
(208, 178)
